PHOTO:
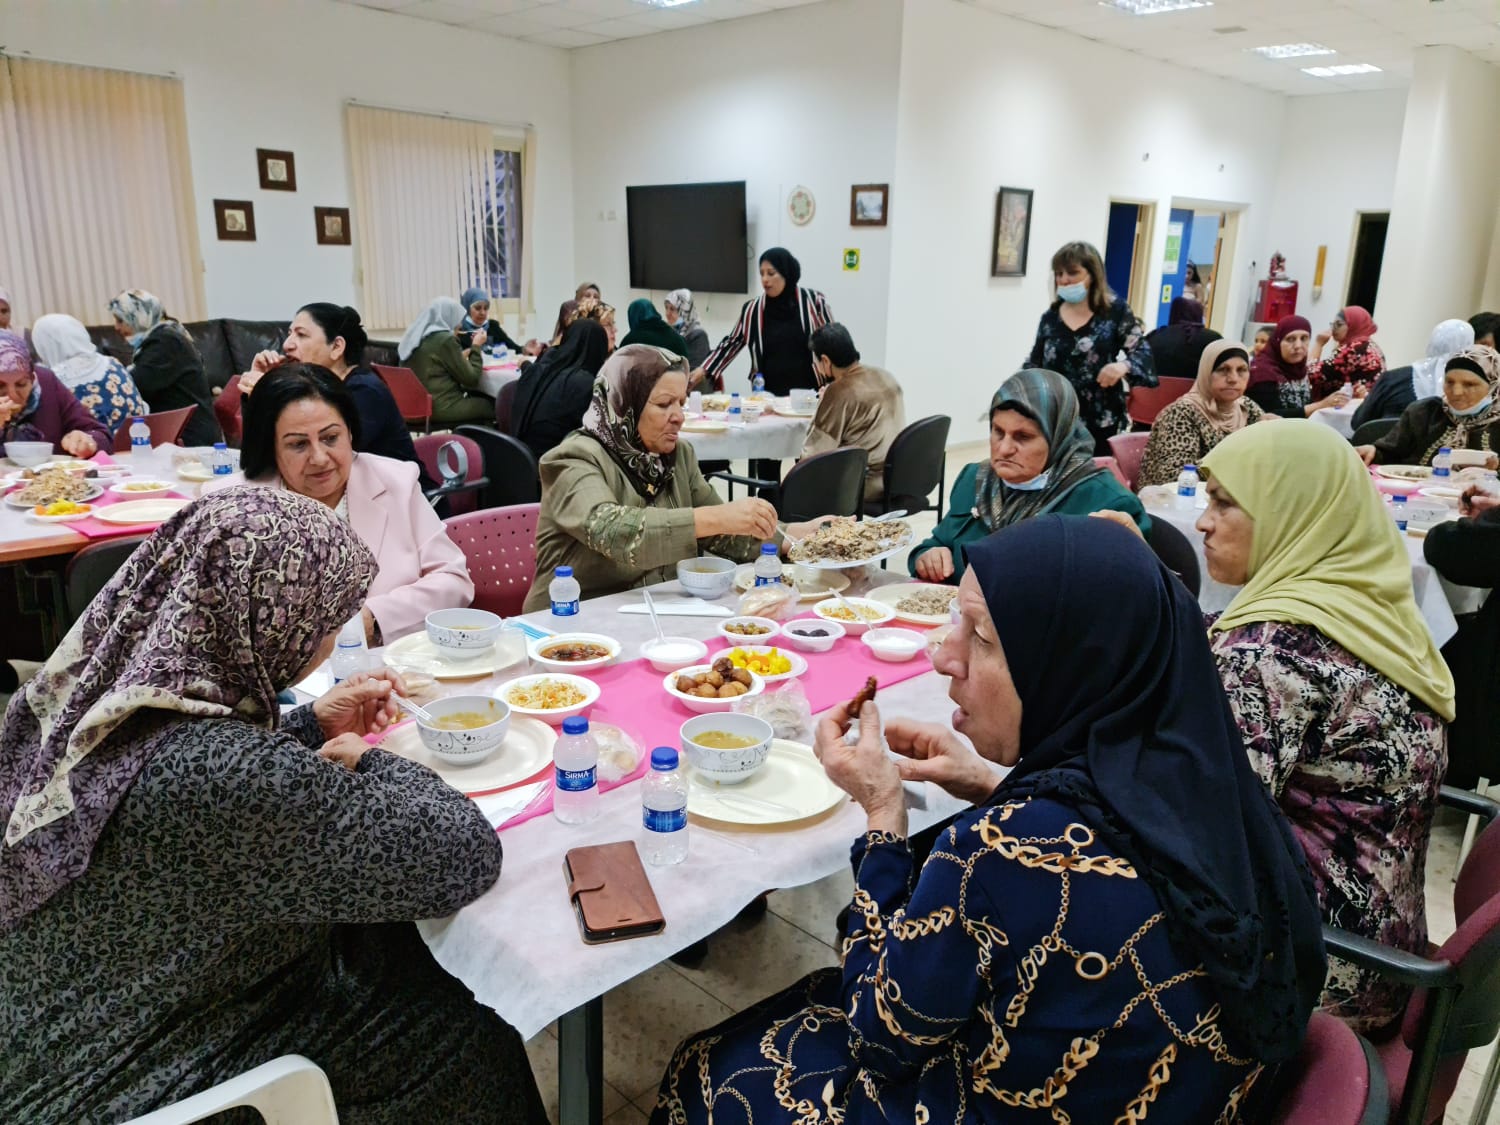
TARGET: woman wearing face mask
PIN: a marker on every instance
(1091, 338)
(167, 368)
(1215, 408)
(1358, 360)
(451, 375)
(1041, 460)
(1463, 418)
(477, 330)
(1400, 387)
(1278, 375)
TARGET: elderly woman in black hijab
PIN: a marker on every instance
(1125, 920)
(553, 394)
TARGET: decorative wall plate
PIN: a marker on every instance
(801, 206)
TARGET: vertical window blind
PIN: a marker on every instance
(96, 191)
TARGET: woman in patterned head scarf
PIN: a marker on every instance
(199, 868)
(680, 314)
(1463, 417)
(166, 366)
(1041, 460)
(36, 406)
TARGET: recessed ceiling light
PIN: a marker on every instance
(665, 3)
(1292, 50)
(1154, 7)
(1338, 71)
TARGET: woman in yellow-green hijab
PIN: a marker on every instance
(1339, 691)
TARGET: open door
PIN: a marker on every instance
(1126, 244)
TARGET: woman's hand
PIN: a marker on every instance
(1120, 518)
(1476, 500)
(751, 516)
(1361, 390)
(932, 752)
(346, 750)
(863, 770)
(533, 347)
(696, 377)
(79, 444)
(1332, 402)
(1366, 453)
(935, 565)
(8, 410)
(1320, 343)
(360, 705)
(1112, 373)
(481, 338)
(263, 362)
(795, 531)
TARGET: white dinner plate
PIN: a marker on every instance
(784, 407)
(526, 750)
(415, 650)
(704, 426)
(790, 787)
(812, 585)
(1404, 472)
(849, 564)
(68, 518)
(1447, 493)
(92, 491)
(135, 488)
(140, 511)
(799, 665)
(892, 596)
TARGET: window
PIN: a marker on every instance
(502, 228)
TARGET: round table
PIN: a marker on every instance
(772, 437)
(1341, 421)
(497, 376)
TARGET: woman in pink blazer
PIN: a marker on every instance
(301, 427)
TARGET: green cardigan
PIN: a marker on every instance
(960, 527)
(451, 379)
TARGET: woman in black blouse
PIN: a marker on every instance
(1091, 338)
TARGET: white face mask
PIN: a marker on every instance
(1035, 484)
(1072, 294)
(1480, 406)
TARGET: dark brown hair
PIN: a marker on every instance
(1082, 255)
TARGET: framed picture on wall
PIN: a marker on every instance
(869, 205)
(278, 169)
(333, 225)
(234, 219)
(1012, 232)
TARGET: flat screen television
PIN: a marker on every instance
(688, 236)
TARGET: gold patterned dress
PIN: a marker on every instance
(1022, 974)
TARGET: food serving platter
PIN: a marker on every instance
(59, 461)
(92, 491)
(790, 787)
(787, 409)
(526, 751)
(886, 537)
(140, 511)
(893, 596)
(798, 664)
(812, 585)
(415, 650)
(1404, 472)
(704, 426)
(65, 517)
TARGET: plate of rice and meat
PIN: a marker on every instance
(54, 485)
(844, 544)
(920, 603)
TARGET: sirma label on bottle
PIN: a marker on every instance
(564, 609)
(664, 820)
(575, 781)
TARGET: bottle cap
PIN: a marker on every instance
(220, 445)
(563, 572)
(768, 548)
(576, 725)
(664, 758)
(140, 420)
(1445, 449)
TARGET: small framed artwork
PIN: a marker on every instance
(235, 220)
(278, 170)
(1012, 232)
(333, 225)
(869, 205)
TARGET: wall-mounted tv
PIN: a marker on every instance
(688, 236)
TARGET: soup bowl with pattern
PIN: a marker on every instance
(726, 749)
(465, 729)
(462, 633)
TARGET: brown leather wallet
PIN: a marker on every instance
(611, 894)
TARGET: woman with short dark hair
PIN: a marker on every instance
(861, 407)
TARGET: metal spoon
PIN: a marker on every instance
(896, 515)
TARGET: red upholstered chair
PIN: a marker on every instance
(1338, 1081)
(1145, 403)
(1128, 450)
(460, 473)
(1113, 466)
(411, 397)
(500, 546)
(166, 428)
(228, 409)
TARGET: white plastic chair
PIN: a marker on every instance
(291, 1090)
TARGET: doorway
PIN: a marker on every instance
(1126, 245)
(1369, 250)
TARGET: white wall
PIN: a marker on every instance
(1336, 156)
(276, 74)
(987, 101)
(803, 96)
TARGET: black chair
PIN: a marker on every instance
(90, 570)
(825, 484)
(1173, 548)
(1373, 430)
(915, 464)
(504, 402)
(509, 465)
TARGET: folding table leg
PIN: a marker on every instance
(580, 1065)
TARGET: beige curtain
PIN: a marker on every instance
(96, 191)
(420, 185)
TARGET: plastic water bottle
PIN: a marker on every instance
(664, 810)
(575, 760)
(768, 566)
(736, 415)
(1398, 510)
(1187, 487)
(1347, 390)
(222, 462)
(349, 652)
(695, 403)
(1442, 464)
(564, 592)
(140, 436)
(757, 384)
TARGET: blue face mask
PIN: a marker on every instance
(1480, 406)
(1035, 484)
(135, 338)
(1073, 294)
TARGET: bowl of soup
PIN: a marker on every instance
(726, 749)
(706, 576)
(465, 729)
(462, 633)
(574, 652)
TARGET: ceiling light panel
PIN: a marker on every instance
(1154, 7)
(1292, 50)
(1340, 71)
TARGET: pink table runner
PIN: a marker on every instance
(98, 529)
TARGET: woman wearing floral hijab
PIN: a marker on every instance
(167, 368)
(1215, 408)
(191, 885)
(681, 316)
(1463, 417)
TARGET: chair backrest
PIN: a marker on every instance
(228, 409)
(291, 1088)
(90, 570)
(430, 449)
(1145, 403)
(166, 428)
(1113, 466)
(1129, 449)
(1338, 1079)
(825, 484)
(915, 462)
(510, 466)
(1173, 548)
(411, 397)
(503, 403)
(500, 547)
(1373, 430)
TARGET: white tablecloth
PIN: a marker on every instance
(1437, 598)
(773, 437)
(496, 377)
(1341, 421)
